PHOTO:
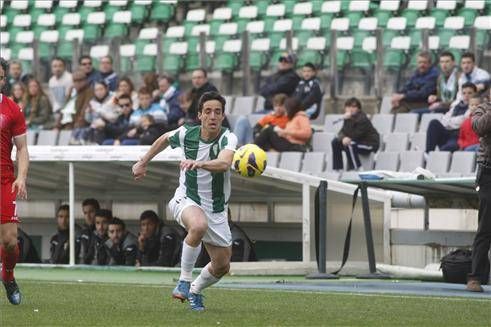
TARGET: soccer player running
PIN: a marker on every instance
(200, 202)
(12, 131)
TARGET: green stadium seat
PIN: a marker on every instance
(440, 16)
(10, 14)
(359, 36)
(161, 12)
(394, 59)
(145, 64)
(354, 18)
(314, 52)
(262, 6)
(331, 7)
(303, 9)
(127, 54)
(235, 6)
(4, 39)
(119, 25)
(65, 47)
(382, 17)
(23, 21)
(248, 13)
(258, 58)
(48, 41)
(411, 17)
(3, 21)
(139, 11)
(35, 13)
(362, 59)
(326, 20)
(228, 59)
(445, 36)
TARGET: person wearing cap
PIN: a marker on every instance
(308, 91)
(285, 80)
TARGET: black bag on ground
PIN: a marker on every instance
(457, 265)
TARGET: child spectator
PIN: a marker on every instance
(309, 92)
(145, 134)
(468, 139)
(445, 132)
(293, 137)
(147, 107)
(357, 136)
(245, 133)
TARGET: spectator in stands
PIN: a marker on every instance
(92, 251)
(37, 107)
(107, 73)
(201, 85)
(121, 246)
(15, 76)
(73, 112)
(147, 107)
(285, 80)
(60, 242)
(92, 74)
(27, 251)
(295, 135)
(446, 86)
(113, 131)
(158, 245)
(89, 209)
(444, 133)
(245, 133)
(99, 111)
(420, 86)
(18, 94)
(185, 101)
(125, 86)
(168, 98)
(472, 74)
(309, 92)
(59, 84)
(357, 136)
(144, 134)
(468, 139)
(151, 82)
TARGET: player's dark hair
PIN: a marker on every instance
(468, 55)
(144, 90)
(5, 65)
(168, 78)
(117, 221)
(353, 102)
(91, 202)
(150, 214)
(208, 96)
(59, 59)
(310, 65)
(106, 213)
(469, 85)
(125, 96)
(109, 57)
(447, 54)
(279, 99)
(426, 55)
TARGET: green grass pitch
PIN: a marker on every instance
(60, 297)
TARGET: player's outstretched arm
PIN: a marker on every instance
(219, 165)
(140, 168)
(22, 158)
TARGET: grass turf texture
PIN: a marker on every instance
(128, 298)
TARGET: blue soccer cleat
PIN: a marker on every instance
(181, 291)
(196, 302)
(13, 292)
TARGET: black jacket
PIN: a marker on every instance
(149, 135)
(280, 82)
(163, 248)
(59, 248)
(360, 129)
(92, 249)
(116, 129)
(309, 93)
(124, 253)
(27, 251)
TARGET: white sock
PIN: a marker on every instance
(188, 259)
(204, 280)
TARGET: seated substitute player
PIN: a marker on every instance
(121, 246)
(201, 200)
(158, 244)
(59, 249)
(12, 131)
(94, 251)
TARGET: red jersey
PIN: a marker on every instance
(467, 136)
(12, 124)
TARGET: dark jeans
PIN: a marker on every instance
(269, 140)
(422, 111)
(439, 135)
(353, 152)
(482, 240)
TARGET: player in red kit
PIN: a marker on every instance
(12, 131)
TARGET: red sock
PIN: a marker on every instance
(9, 259)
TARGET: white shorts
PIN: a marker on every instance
(218, 232)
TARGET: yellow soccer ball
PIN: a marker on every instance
(250, 160)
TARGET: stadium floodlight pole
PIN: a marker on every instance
(333, 62)
(160, 41)
(71, 200)
(473, 44)
(425, 39)
(379, 63)
(321, 216)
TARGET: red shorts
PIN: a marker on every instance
(8, 207)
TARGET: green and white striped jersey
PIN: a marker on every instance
(209, 190)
